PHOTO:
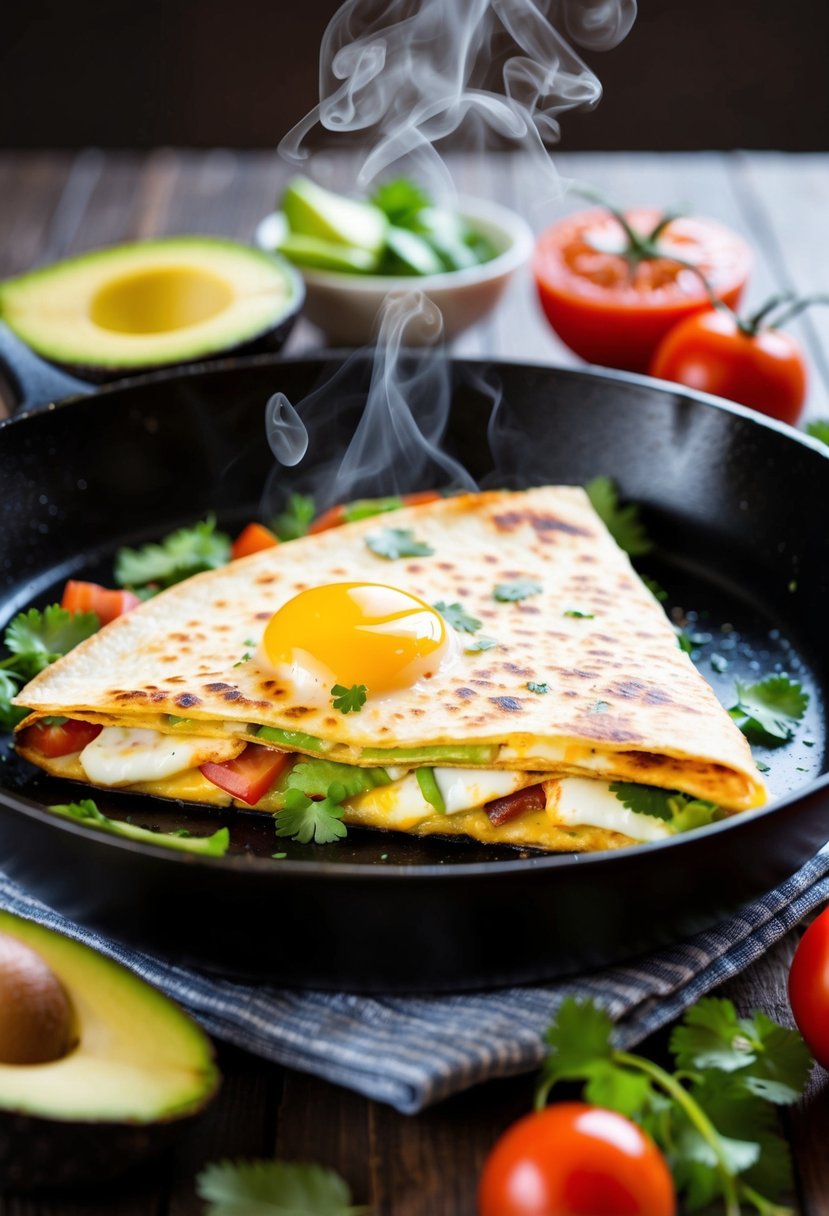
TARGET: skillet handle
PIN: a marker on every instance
(34, 382)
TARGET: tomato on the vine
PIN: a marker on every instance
(571, 1159)
(613, 283)
(755, 365)
(809, 987)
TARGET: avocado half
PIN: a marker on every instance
(131, 308)
(135, 1070)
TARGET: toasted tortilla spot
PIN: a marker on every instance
(187, 700)
(510, 704)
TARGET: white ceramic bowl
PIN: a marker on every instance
(346, 305)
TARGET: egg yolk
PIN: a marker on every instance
(358, 633)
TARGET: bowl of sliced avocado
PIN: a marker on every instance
(353, 252)
(148, 304)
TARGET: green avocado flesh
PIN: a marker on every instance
(150, 303)
(138, 1060)
(450, 753)
(315, 212)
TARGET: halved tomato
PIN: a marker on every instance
(79, 596)
(60, 738)
(250, 775)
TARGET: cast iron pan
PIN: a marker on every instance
(736, 506)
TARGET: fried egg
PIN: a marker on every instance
(355, 633)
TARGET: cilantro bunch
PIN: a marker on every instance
(274, 1188)
(35, 639)
(714, 1116)
(184, 552)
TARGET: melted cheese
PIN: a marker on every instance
(580, 802)
(126, 756)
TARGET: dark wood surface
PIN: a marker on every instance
(52, 205)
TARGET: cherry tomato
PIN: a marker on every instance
(575, 1160)
(90, 597)
(809, 987)
(60, 738)
(334, 516)
(253, 539)
(764, 370)
(250, 775)
(613, 311)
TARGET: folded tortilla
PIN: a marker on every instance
(623, 702)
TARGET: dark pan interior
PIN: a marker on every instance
(741, 552)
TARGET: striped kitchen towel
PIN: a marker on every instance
(411, 1051)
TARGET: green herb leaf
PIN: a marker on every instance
(579, 1036)
(295, 520)
(457, 616)
(519, 589)
(183, 553)
(771, 708)
(819, 429)
(392, 543)
(37, 639)
(349, 700)
(273, 1188)
(656, 589)
(313, 777)
(10, 714)
(681, 811)
(541, 689)
(622, 523)
(305, 820)
(579, 615)
(400, 200)
(86, 811)
(365, 508)
(480, 643)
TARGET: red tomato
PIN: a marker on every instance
(90, 597)
(809, 987)
(60, 740)
(253, 539)
(250, 775)
(613, 313)
(575, 1160)
(765, 370)
(334, 516)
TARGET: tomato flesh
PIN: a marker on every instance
(60, 739)
(572, 1159)
(250, 775)
(335, 516)
(79, 596)
(809, 987)
(253, 539)
(765, 371)
(615, 315)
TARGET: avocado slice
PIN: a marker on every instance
(132, 1066)
(408, 253)
(151, 303)
(317, 254)
(314, 211)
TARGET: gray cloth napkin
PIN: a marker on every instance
(411, 1051)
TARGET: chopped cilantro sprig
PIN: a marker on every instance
(457, 616)
(392, 543)
(712, 1117)
(680, 811)
(36, 639)
(349, 700)
(295, 520)
(518, 589)
(184, 552)
(769, 710)
(306, 820)
(274, 1188)
(623, 523)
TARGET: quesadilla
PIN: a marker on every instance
(487, 665)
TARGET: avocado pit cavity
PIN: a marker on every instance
(37, 1023)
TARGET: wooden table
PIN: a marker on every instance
(52, 205)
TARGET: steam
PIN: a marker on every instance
(396, 445)
(410, 73)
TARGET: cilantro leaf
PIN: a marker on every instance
(184, 552)
(400, 201)
(392, 543)
(579, 1035)
(294, 521)
(305, 820)
(39, 638)
(623, 523)
(518, 589)
(457, 616)
(273, 1188)
(349, 700)
(541, 689)
(312, 777)
(681, 811)
(579, 615)
(480, 643)
(771, 708)
(819, 429)
(86, 811)
(10, 714)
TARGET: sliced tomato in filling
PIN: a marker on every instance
(60, 738)
(90, 597)
(250, 775)
(502, 810)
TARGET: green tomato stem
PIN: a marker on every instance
(696, 1116)
(797, 307)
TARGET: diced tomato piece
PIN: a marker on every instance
(90, 597)
(334, 516)
(253, 539)
(502, 810)
(250, 775)
(60, 739)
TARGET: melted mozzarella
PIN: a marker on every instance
(465, 788)
(582, 802)
(124, 756)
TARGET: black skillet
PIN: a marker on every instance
(736, 506)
